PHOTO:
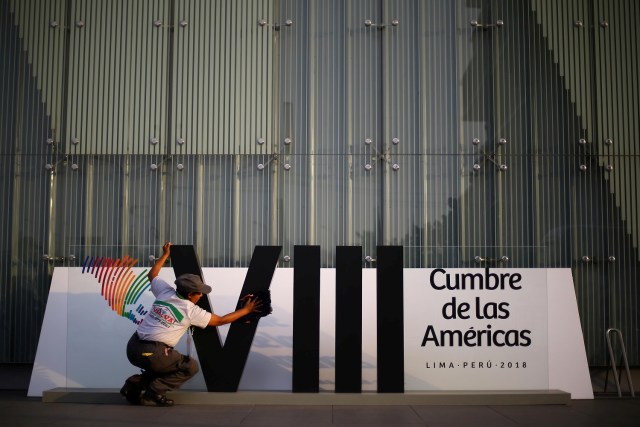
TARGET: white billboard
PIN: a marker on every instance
(463, 330)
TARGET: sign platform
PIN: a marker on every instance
(454, 397)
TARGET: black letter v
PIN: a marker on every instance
(222, 366)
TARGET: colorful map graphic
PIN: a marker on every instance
(120, 287)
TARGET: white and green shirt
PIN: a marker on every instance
(170, 316)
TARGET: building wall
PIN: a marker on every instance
(463, 130)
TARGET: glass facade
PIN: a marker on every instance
(470, 132)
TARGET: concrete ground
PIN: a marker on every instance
(16, 409)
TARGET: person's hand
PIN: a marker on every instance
(252, 304)
(166, 248)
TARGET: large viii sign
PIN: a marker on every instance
(347, 329)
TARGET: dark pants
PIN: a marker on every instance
(165, 368)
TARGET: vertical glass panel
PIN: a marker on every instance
(118, 57)
(316, 193)
(221, 204)
(35, 38)
(366, 122)
(112, 199)
(222, 64)
(615, 67)
(442, 201)
(440, 40)
(30, 86)
(617, 93)
(27, 259)
(218, 219)
(474, 71)
(307, 81)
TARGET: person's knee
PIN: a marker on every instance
(190, 366)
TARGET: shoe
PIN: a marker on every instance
(153, 399)
(132, 389)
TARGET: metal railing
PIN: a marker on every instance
(613, 363)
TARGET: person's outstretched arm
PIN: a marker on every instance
(155, 270)
(252, 305)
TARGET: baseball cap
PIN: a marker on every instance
(191, 283)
